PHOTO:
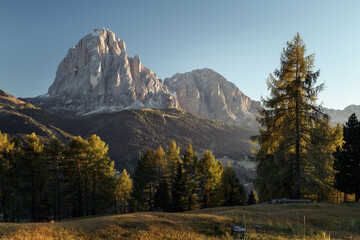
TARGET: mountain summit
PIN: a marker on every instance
(206, 93)
(97, 75)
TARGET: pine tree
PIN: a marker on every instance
(124, 188)
(209, 173)
(75, 186)
(54, 153)
(318, 167)
(15, 174)
(347, 163)
(36, 177)
(5, 181)
(287, 120)
(99, 175)
(233, 192)
(186, 182)
(144, 182)
(253, 198)
(173, 161)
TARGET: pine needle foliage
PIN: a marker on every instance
(288, 122)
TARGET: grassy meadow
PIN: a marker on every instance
(322, 221)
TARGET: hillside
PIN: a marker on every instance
(130, 132)
(16, 123)
(322, 221)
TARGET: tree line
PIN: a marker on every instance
(52, 181)
(43, 181)
(300, 154)
(164, 180)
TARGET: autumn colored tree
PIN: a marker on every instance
(173, 161)
(124, 187)
(209, 174)
(289, 121)
(36, 177)
(54, 154)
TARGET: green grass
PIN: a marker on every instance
(322, 221)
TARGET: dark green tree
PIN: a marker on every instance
(186, 182)
(144, 182)
(287, 120)
(209, 174)
(253, 198)
(54, 153)
(173, 161)
(74, 176)
(347, 163)
(233, 192)
(6, 188)
(162, 184)
(36, 178)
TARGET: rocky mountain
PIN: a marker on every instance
(97, 75)
(207, 94)
(341, 116)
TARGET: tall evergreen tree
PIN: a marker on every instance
(173, 161)
(54, 153)
(144, 182)
(99, 177)
(124, 188)
(36, 177)
(15, 156)
(162, 185)
(318, 168)
(233, 192)
(5, 181)
(186, 182)
(75, 187)
(347, 163)
(287, 119)
(209, 174)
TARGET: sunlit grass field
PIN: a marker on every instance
(287, 221)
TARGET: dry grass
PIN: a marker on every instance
(322, 221)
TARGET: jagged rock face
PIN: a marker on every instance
(97, 74)
(208, 94)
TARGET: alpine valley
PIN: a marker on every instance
(98, 89)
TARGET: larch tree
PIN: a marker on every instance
(162, 184)
(75, 185)
(287, 121)
(99, 179)
(5, 181)
(54, 153)
(124, 187)
(173, 161)
(209, 174)
(36, 177)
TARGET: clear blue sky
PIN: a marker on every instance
(241, 40)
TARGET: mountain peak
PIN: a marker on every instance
(97, 74)
(206, 93)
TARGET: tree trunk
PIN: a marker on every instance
(297, 147)
(357, 196)
(5, 217)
